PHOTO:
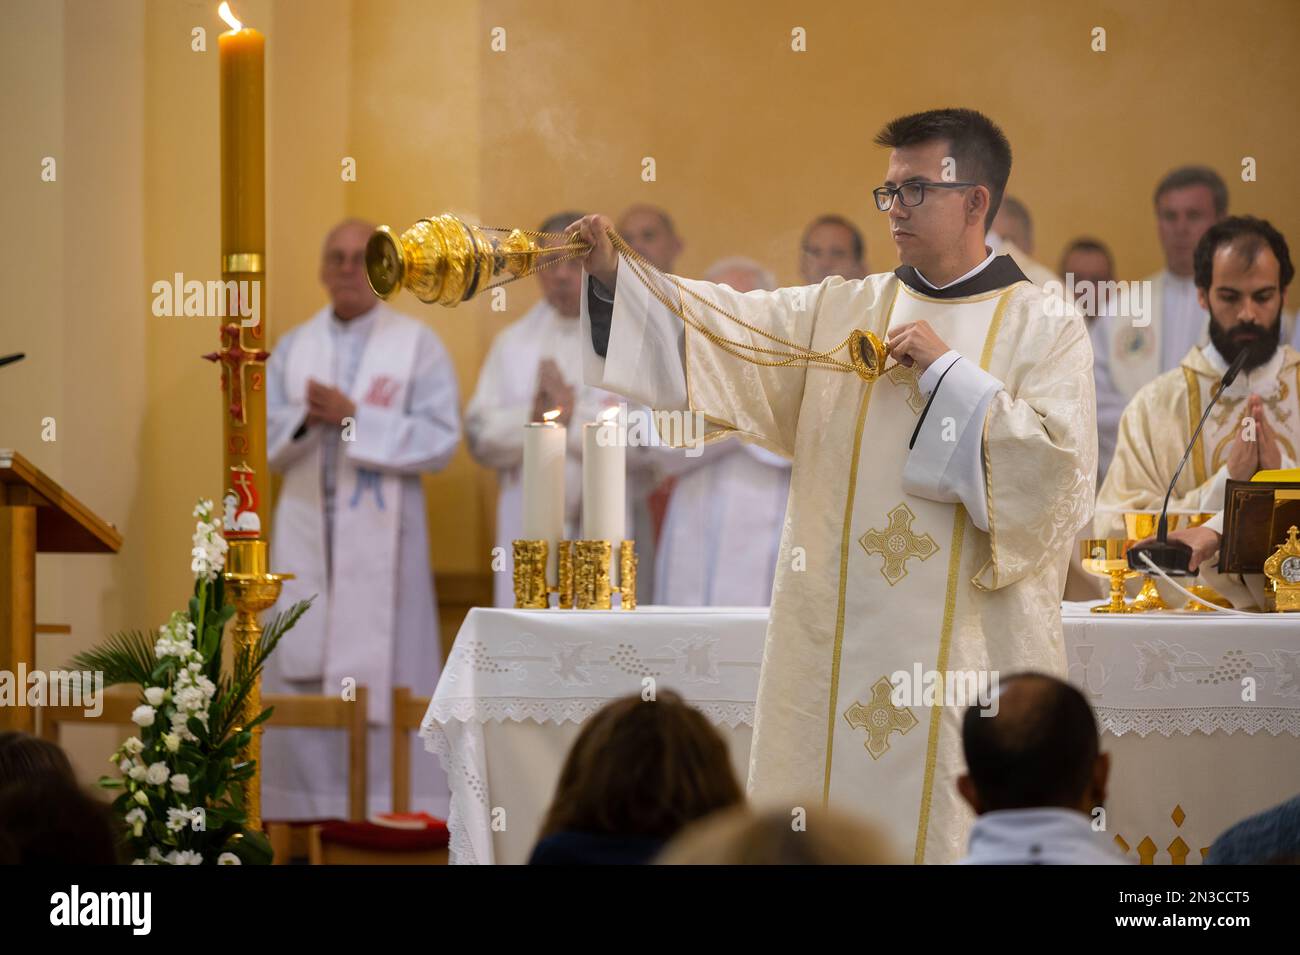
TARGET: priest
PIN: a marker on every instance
(361, 401)
(1242, 270)
(931, 511)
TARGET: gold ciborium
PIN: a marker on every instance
(446, 261)
(1107, 557)
(1205, 592)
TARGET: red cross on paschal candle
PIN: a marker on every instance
(235, 356)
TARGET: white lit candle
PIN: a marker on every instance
(604, 480)
(544, 454)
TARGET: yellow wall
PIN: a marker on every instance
(750, 139)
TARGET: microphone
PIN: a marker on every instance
(10, 359)
(1174, 558)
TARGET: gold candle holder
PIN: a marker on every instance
(251, 589)
(627, 575)
(583, 570)
(564, 569)
(531, 591)
(591, 587)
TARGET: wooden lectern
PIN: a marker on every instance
(36, 515)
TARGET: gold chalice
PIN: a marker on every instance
(1107, 557)
(1139, 525)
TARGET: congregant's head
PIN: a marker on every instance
(645, 768)
(1188, 201)
(743, 275)
(343, 268)
(832, 245)
(1014, 223)
(1034, 747)
(1242, 268)
(562, 283)
(947, 171)
(650, 231)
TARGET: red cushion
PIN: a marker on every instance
(367, 835)
(300, 823)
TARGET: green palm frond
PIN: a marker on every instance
(248, 664)
(126, 657)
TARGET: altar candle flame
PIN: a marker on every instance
(225, 14)
(552, 414)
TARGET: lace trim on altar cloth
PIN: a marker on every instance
(1186, 721)
(459, 846)
(519, 709)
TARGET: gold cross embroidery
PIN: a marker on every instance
(906, 377)
(897, 544)
(880, 718)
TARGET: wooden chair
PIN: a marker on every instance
(289, 838)
(338, 843)
(408, 713)
(117, 709)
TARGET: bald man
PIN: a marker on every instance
(361, 401)
(1035, 776)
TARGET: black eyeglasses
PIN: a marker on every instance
(911, 193)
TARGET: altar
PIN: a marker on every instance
(1201, 714)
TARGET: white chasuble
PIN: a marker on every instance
(884, 566)
(1159, 421)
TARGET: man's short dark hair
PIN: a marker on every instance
(831, 218)
(1185, 176)
(559, 221)
(1039, 754)
(1087, 244)
(980, 148)
(1248, 236)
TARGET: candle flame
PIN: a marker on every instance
(224, 11)
(552, 414)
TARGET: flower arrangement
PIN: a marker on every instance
(181, 774)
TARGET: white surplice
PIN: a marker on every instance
(350, 524)
(722, 530)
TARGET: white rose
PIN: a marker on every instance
(228, 858)
(181, 783)
(154, 695)
(143, 715)
(172, 742)
(142, 797)
(137, 772)
(157, 774)
(134, 746)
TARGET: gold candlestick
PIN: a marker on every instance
(251, 589)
